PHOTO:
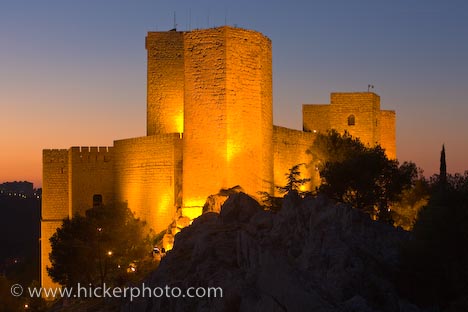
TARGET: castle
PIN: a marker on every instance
(209, 126)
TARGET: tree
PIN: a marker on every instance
(294, 185)
(443, 167)
(435, 262)
(360, 176)
(334, 147)
(294, 182)
(405, 211)
(99, 247)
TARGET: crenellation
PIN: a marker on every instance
(91, 172)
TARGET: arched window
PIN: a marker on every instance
(351, 120)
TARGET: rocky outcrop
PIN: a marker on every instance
(215, 202)
(313, 255)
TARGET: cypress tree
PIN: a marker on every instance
(443, 167)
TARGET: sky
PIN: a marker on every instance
(73, 73)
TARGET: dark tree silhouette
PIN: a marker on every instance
(443, 167)
(99, 247)
(360, 176)
(435, 262)
(294, 182)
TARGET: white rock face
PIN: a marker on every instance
(313, 255)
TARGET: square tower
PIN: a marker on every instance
(358, 113)
(165, 82)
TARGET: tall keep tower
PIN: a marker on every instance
(215, 87)
(228, 118)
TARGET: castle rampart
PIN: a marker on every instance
(70, 179)
(289, 149)
(148, 173)
(91, 173)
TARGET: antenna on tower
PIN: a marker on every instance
(175, 24)
(369, 86)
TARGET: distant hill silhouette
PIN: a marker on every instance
(19, 237)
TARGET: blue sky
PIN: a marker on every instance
(74, 72)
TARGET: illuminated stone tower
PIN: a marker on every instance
(359, 114)
(215, 87)
(228, 118)
(165, 82)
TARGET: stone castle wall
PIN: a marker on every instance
(55, 203)
(290, 149)
(91, 173)
(70, 179)
(148, 177)
(388, 132)
(55, 176)
(48, 228)
(316, 118)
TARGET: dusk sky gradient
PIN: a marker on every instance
(73, 73)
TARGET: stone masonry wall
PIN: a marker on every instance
(289, 149)
(147, 177)
(55, 175)
(249, 110)
(48, 228)
(165, 89)
(387, 132)
(372, 125)
(205, 123)
(55, 205)
(365, 106)
(91, 172)
(316, 117)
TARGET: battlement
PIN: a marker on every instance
(245, 34)
(54, 155)
(91, 153)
